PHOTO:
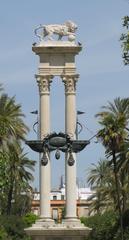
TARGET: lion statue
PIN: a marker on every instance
(61, 30)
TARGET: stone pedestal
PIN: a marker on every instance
(58, 232)
(56, 57)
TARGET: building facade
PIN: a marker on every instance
(57, 197)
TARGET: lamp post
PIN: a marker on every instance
(78, 123)
(37, 121)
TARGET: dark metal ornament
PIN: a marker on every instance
(57, 142)
(44, 159)
(57, 154)
(71, 160)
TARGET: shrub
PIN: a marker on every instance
(3, 234)
(103, 226)
(12, 227)
(29, 219)
(125, 227)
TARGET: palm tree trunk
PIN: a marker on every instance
(118, 193)
(123, 192)
(9, 199)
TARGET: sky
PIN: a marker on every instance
(103, 76)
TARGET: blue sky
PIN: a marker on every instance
(103, 75)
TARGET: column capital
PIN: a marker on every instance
(44, 82)
(70, 83)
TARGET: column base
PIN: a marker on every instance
(72, 222)
(44, 222)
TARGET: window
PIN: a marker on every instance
(62, 197)
(55, 197)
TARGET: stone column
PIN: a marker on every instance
(70, 128)
(45, 171)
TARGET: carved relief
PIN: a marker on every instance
(70, 83)
(44, 83)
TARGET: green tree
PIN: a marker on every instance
(19, 178)
(97, 173)
(104, 226)
(114, 121)
(101, 179)
(12, 126)
(15, 167)
(125, 40)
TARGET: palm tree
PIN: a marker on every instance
(114, 121)
(123, 170)
(97, 173)
(12, 133)
(100, 178)
(11, 122)
(19, 175)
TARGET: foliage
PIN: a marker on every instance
(100, 178)
(3, 234)
(103, 226)
(125, 40)
(30, 218)
(107, 226)
(110, 179)
(16, 169)
(15, 181)
(63, 212)
(12, 227)
(114, 136)
(22, 204)
(15, 172)
(12, 126)
(125, 235)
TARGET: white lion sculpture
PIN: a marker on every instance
(66, 29)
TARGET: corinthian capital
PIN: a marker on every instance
(70, 83)
(44, 82)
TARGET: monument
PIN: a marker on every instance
(57, 58)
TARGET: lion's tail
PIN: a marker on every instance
(45, 33)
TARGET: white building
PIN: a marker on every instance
(59, 194)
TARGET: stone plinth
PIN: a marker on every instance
(58, 232)
(56, 57)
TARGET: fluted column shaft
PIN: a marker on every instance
(45, 171)
(70, 128)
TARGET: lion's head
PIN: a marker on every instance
(72, 27)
